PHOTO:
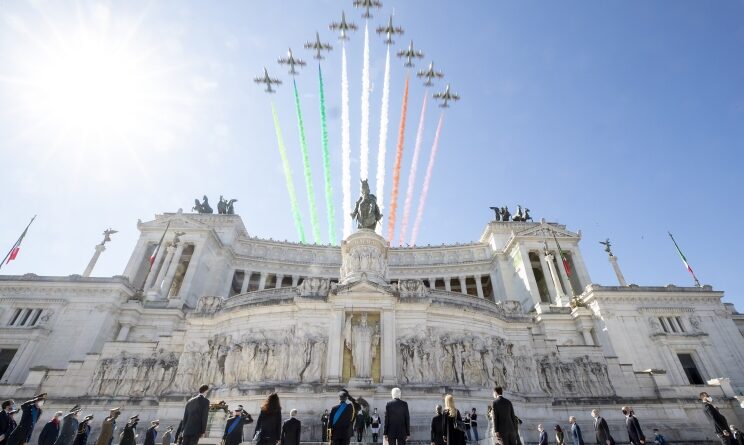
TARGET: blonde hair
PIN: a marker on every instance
(449, 405)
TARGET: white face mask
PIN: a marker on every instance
(40, 403)
(709, 399)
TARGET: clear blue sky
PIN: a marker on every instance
(621, 119)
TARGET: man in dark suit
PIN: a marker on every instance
(5, 420)
(720, 424)
(601, 429)
(340, 420)
(291, 429)
(195, 417)
(543, 440)
(504, 420)
(233, 434)
(437, 427)
(635, 434)
(397, 428)
(576, 436)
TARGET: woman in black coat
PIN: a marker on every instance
(269, 423)
(129, 433)
(452, 418)
(81, 438)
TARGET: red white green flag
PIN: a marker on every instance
(684, 260)
(566, 265)
(13, 253)
(160, 243)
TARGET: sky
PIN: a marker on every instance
(622, 119)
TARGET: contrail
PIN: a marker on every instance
(314, 224)
(382, 148)
(364, 131)
(427, 181)
(398, 160)
(326, 163)
(288, 176)
(345, 145)
(412, 172)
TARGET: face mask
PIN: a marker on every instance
(40, 403)
(709, 399)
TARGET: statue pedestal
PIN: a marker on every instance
(364, 258)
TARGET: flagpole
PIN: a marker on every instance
(17, 242)
(684, 260)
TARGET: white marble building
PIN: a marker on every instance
(250, 316)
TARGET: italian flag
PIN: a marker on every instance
(684, 260)
(160, 243)
(13, 253)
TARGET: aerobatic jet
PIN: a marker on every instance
(368, 4)
(390, 31)
(430, 74)
(268, 81)
(318, 46)
(410, 54)
(343, 27)
(446, 96)
(292, 62)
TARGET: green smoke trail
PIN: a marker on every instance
(327, 164)
(306, 167)
(288, 176)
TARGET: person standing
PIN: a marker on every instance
(374, 424)
(234, 426)
(559, 437)
(152, 433)
(397, 428)
(601, 429)
(30, 414)
(291, 429)
(454, 430)
(11, 422)
(341, 419)
(504, 420)
(167, 436)
(51, 430)
(659, 438)
(69, 427)
(466, 422)
(437, 426)
(543, 438)
(108, 427)
(81, 438)
(5, 420)
(720, 424)
(128, 435)
(576, 435)
(359, 425)
(324, 426)
(635, 434)
(474, 425)
(269, 424)
(195, 417)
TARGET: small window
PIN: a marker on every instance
(688, 364)
(679, 324)
(15, 317)
(664, 325)
(26, 314)
(35, 318)
(6, 357)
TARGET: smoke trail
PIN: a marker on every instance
(427, 181)
(382, 148)
(398, 160)
(306, 168)
(326, 164)
(288, 176)
(345, 145)
(412, 172)
(364, 131)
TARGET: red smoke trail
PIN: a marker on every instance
(427, 180)
(396, 168)
(412, 172)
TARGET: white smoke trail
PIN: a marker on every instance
(364, 131)
(427, 181)
(345, 145)
(412, 172)
(382, 148)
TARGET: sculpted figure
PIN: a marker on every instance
(366, 212)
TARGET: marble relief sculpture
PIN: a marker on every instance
(362, 339)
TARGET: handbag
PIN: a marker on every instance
(459, 424)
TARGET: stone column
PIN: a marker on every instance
(279, 279)
(447, 284)
(551, 291)
(581, 273)
(151, 277)
(432, 283)
(295, 280)
(191, 268)
(463, 287)
(99, 248)
(335, 347)
(387, 347)
(262, 281)
(246, 280)
(588, 340)
(498, 290)
(531, 281)
(479, 286)
(123, 332)
(165, 289)
(560, 298)
(161, 273)
(616, 268)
